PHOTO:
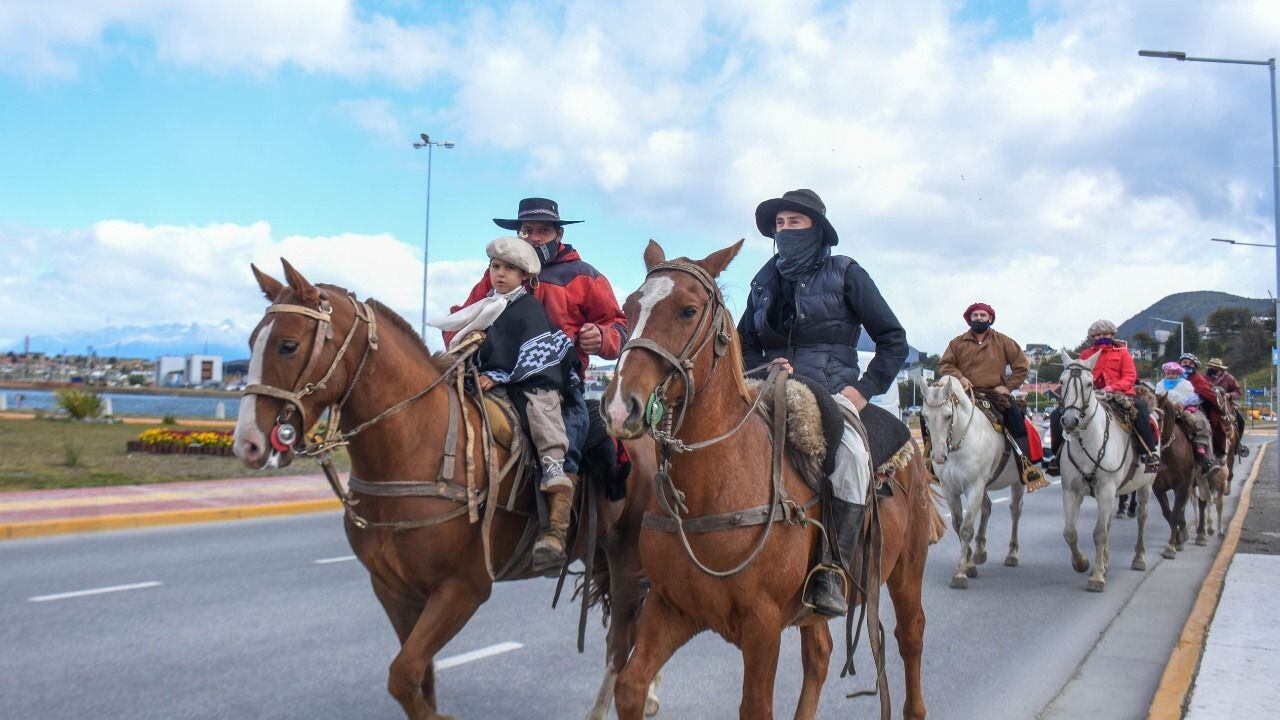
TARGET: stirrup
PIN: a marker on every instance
(807, 589)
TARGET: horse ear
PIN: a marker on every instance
(1066, 358)
(271, 287)
(653, 254)
(306, 291)
(716, 262)
(1092, 361)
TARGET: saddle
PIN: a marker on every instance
(815, 424)
(1127, 413)
(993, 405)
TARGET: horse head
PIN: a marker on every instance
(1077, 389)
(296, 366)
(943, 401)
(674, 316)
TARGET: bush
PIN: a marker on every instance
(71, 454)
(169, 420)
(79, 404)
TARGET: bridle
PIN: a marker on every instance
(1075, 381)
(954, 400)
(711, 330)
(284, 435)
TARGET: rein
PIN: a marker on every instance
(665, 426)
(1088, 411)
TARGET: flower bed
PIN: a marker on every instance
(162, 441)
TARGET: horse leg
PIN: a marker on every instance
(1217, 501)
(1170, 550)
(1101, 534)
(660, 631)
(447, 610)
(959, 580)
(1202, 512)
(625, 597)
(904, 582)
(1180, 496)
(972, 509)
(1071, 510)
(1015, 514)
(980, 553)
(761, 637)
(815, 654)
(403, 614)
(1142, 496)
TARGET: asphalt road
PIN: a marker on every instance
(271, 619)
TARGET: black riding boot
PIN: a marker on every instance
(1054, 465)
(1150, 454)
(826, 589)
(1031, 475)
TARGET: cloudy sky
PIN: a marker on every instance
(1019, 153)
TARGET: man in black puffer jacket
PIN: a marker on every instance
(807, 308)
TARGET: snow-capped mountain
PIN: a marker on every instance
(226, 338)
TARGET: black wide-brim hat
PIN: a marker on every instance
(535, 210)
(802, 201)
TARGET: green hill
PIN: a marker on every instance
(1198, 304)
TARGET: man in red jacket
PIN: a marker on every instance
(1114, 372)
(580, 301)
(1208, 402)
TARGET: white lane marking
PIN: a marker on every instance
(327, 561)
(94, 591)
(248, 418)
(474, 655)
(946, 514)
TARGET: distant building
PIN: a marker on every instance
(189, 371)
(171, 371)
(1039, 352)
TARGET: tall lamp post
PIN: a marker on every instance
(429, 144)
(1275, 163)
(1182, 339)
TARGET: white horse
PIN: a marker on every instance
(1099, 459)
(971, 458)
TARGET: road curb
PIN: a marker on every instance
(1171, 696)
(14, 531)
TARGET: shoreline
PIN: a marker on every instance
(18, 386)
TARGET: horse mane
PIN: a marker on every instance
(391, 316)
(735, 356)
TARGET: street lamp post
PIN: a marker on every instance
(1182, 340)
(1275, 166)
(429, 144)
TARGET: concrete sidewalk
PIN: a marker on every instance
(1241, 659)
(49, 512)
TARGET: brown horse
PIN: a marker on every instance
(1178, 456)
(679, 306)
(406, 521)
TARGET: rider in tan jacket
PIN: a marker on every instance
(993, 366)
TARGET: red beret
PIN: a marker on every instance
(979, 306)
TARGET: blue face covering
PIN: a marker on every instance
(1104, 341)
(800, 251)
(1170, 383)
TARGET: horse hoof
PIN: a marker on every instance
(1095, 586)
(1201, 541)
(960, 582)
(651, 707)
(1011, 561)
(971, 571)
(1168, 553)
(979, 558)
(1081, 565)
(1139, 564)
(1221, 534)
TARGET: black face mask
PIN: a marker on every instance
(548, 252)
(799, 250)
(979, 326)
(1189, 369)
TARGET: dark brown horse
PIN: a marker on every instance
(1178, 456)
(679, 306)
(319, 348)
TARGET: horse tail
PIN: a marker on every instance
(934, 500)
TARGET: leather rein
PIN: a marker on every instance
(664, 427)
(1088, 412)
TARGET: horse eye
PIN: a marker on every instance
(689, 312)
(288, 347)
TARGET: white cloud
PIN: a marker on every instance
(375, 116)
(136, 274)
(1054, 174)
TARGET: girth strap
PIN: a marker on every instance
(757, 515)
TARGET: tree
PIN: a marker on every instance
(1192, 334)
(1228, 322)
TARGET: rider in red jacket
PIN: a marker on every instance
(1113, 372)
(1208, 401)
(580, 301)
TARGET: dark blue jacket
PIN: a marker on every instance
(833, 303)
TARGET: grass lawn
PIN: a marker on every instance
(43, 454)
